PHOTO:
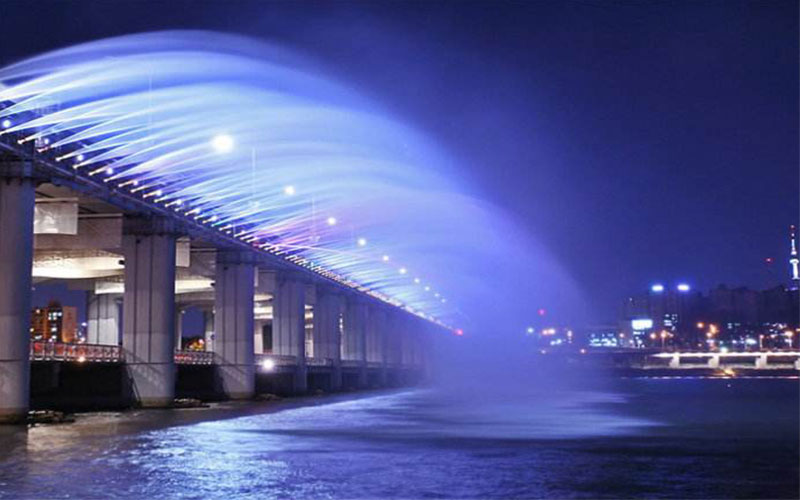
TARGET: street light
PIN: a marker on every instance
(222, 143)
(664, 335)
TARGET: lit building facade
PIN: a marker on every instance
(55, 323)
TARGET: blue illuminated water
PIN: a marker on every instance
(676, 438)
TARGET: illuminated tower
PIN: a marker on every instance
(794, 261)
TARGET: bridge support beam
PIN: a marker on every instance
(148, 337)
(233, 323)
(102, 317)
(327, 335)
(354, 341)
(288, 326)
(713, 362)
(17, 199)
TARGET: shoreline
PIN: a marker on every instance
(117, 422)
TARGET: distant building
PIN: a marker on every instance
(672, 310)
(55, 323)
(603, 336)
(736, 318)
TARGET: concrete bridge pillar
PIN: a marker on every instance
(407, 342)
(354, 336)
(178, 327)
(102, 317)
(376, 336)
(396, 332)
(327, 335)
(675, 361)
(713, 362)
(392, 346)
(208, 329)
(17, 200)
(233, 323)
(761, 361)
(148, 333)
(288, 325)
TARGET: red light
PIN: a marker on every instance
(459, 332)
(768, 260)
(542, 312)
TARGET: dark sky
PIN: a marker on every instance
(638, 140)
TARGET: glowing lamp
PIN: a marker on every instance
(385, 258)
(331, 221)
(683, 287)
(403, 270)
(6, 123)
(657, 288)
(289, 190)
(362, 242)
(222, 143)
(268, 365)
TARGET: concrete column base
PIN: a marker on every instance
(238, 380)
(156, 402)
(153, 384)
(363, 377)
(300, 383)
(13, 416)
(336, 378)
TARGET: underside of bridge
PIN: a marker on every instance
(140, 272)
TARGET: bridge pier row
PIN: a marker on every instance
(288, 326)
(148, 336)
(17, 198)
(327, 335)
(354, 336)
(234, 349)
(103, 317)
(376, 335)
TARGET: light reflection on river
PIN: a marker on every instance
(645, 438)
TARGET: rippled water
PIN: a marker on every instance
(640, 438)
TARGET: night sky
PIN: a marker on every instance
(638, 141)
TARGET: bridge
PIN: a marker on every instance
(152, 213)
(762, 360)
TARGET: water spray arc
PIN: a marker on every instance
(259, 148)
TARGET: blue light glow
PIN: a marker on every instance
(264, 148)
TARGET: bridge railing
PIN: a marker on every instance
(56, 351)
(194, 358)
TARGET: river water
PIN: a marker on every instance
(633, 438)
